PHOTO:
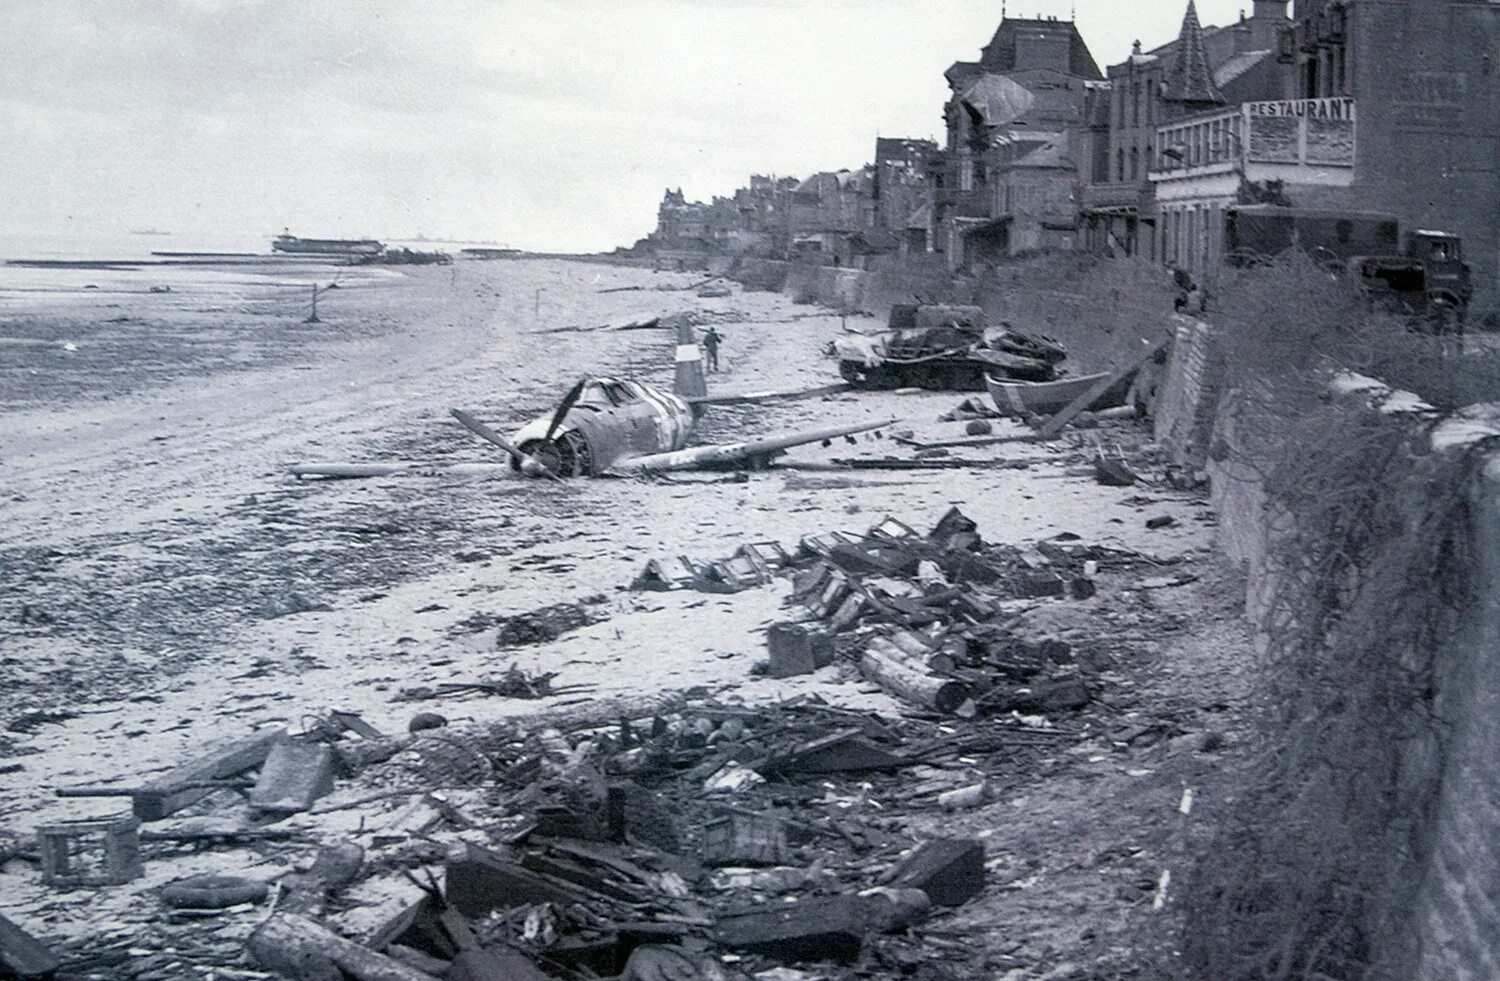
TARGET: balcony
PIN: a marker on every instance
(1299, 141)
(1201, 145)
(1116, 196)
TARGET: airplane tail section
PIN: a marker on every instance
(689, 383)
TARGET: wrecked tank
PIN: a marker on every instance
(942, 347)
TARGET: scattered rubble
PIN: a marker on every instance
(544, 624)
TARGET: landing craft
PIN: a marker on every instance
(608, 425)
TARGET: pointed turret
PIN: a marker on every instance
(1191, 79)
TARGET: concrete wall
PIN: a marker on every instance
(1458, 914)
(1452, 931)
(870, 290)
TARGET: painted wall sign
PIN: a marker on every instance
(1341, 109)
(1317, 132)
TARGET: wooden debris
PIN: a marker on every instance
(927, 691)
(302, 949)
(741, 839)
(823, 928)
(1055, 423)
(101, 852)
(22, 955)
(478, 880)
(839, 752)
(494, 965)
(296, 773)
(949, 870)
(797, 649)
(182, 786)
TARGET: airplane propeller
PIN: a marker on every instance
(529, 465)
(568, 401)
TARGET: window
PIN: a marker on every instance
(1135, 99)
(1135, 163)
(1120, 167)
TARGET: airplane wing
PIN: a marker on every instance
(424, 468)
(751, 397)
(731, 454)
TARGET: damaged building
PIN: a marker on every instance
(1015, 128)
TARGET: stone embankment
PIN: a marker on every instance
(1448, 780)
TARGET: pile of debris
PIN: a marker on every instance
(939, 621)
(635, 838)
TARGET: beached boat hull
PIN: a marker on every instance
(1016, 398)
(326, 246)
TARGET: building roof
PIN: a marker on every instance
(903, 149)
(960, 72)
(1051, 152)
(1238, 65)
(1191, 79)
(873, 241)
(920, 218)
(1003, 53)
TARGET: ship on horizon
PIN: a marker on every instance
(287, 242)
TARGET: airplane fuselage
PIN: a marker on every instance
(612, 420)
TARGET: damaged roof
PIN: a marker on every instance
(997, 99)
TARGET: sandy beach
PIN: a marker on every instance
(164, 581)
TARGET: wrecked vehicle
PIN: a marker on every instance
(942, 347)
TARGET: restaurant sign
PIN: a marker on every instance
(1308, 132)
(1339, 109)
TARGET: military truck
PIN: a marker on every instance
(942, 346)
(1421, 273)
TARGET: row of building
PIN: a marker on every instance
(1355, 107)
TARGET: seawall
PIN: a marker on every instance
(1450, 921)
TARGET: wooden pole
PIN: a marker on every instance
(902, 680)
(313, 317)
(1055, 424)
(297, 947)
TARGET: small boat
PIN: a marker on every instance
(1023, 398)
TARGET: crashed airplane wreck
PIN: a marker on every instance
(609, 426)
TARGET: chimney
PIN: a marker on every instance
(1267, 19)
(1243, 35)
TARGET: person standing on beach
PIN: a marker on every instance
(711, 339)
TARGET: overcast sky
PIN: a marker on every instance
(546, 124)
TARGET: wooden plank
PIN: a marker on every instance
(297, 947)
(897, 677)
(1055, 424)
(822, 928)
(182, 786)
(294, 775)
(478, 880)
(949, 870)
(22, 955)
